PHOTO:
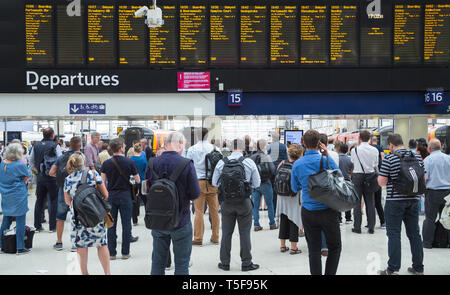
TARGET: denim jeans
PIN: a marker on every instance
(182, 248)
(395, 212)
(266, 190)
(120, 203)
(20, 230)
(63, 209)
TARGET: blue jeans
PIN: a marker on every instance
(396, 212)
(182, 248)
(20, 230)
(63, 209)
(266, 190)
(120, 203)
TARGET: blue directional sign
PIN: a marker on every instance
(87, 109)
(235, 99)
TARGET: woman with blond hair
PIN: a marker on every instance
(289, 208)
(14, 177)
(83, 237)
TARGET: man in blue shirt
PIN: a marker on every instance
(437, 168)
(317, 217)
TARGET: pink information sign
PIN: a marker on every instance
(194, 81)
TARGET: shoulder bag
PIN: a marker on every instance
(370, 182)
(109, 220)
(133, 186)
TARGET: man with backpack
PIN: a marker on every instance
(59, 171)
(173, 185)
(205, 157)
(235, 176)
(404, 175)
(278, 153)
(437, 169)
(266, 171)
(44, 155)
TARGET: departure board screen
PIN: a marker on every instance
(283, 35)
(101, 37)
(343, 35)
(132, 37)
(253, 35)
(193, 36)
(407, 32)
(163, 40)
(39, 35)
(70, 38)
(376, 30)
(314, 35)
(437, 34)
(223, 35)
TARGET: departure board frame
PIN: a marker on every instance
(270, 77)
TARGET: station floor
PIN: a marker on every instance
(362, 254)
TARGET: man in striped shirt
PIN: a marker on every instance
(400, 208)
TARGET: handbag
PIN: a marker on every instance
(109, 220)
(370, 182)
(330, 188)
(134, 186)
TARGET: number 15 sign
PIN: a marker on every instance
(235, 99)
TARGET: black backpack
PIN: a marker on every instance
(89, 206)
(49, 160)
(61, 172)
(211, 161)
(233, 185)
(282, 182)
(162, 210)
(410, 180)
(264, 169)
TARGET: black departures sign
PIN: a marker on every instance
(257, 46)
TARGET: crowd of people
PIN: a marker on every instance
(230, 181)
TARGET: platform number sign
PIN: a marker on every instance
(235, 99)
(434, 97)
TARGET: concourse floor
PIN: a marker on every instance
(362, 254)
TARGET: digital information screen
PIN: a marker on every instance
(163, 40)
(223, 35)
(376, 30)
(39, 35)
(70, 37)
(283, 35)
(407, 31)
(254, 35)
(343, 35)
(314, 35)
(437, 34)
(193, 36)
(101, 41)
(293, 137)
(132, 37)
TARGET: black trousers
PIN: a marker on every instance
(379, 206)
(44, 188)
(348, 215)
(314, 222)
(288, 229)
(369, 201)
(434, 203)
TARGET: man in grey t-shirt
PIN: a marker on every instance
(346, 166)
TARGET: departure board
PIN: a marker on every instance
(343, 35)
(283, 35)
(437, 34)
(132, 37)
(101, 41)
(70, 38)
(253, 35)
(223, 35)
(163, 40)
(39, 35)
(193, 36)
(376, 32)
(407, 34)
(314, 35)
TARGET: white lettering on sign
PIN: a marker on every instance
(34, 80)
(374, 10)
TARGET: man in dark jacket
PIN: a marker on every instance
(277, 152)
(188, 190)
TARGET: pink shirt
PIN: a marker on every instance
(91, 153)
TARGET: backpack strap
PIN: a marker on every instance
(226, 160)
(177, 172)
(84, 176)
(151, 167)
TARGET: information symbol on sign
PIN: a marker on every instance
(235, 99)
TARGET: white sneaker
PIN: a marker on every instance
(190, 263)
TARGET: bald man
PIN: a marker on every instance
(437, 167)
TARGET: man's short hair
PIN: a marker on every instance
(311, 139)
(275, 137)
(75, 143)
(238, 144)
(395, 139)
(435, 145)
(104, 146)
(323, 138)
(175, 137)
(204, 133)
(116, 144)
(261, 144)
(48, 133)
(343, 148)
(330, 141)
(364, 135)
(412, 144)
(95, 134)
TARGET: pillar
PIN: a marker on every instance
(412, 127)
